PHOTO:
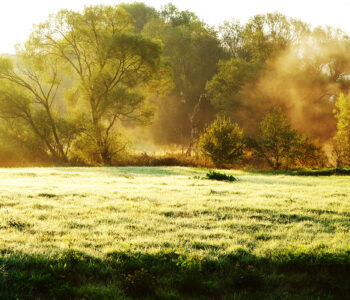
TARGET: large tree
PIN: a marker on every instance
(192, 50)
(108, 63)
(28, 95)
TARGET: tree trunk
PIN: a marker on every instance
(103, 155)
(62, 154)
(194, 125)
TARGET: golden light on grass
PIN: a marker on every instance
(99, 210)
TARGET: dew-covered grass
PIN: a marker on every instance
(98, 212)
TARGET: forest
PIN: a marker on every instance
(132, 85)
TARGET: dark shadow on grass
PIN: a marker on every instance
(304, 172)
(298, 274)
(275, 217)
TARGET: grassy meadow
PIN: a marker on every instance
(169, 233)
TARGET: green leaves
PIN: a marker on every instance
(225, 87)
(342, 138)
(282, 146)
(222, 142)
(6, 65)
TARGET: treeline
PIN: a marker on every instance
(85, 84)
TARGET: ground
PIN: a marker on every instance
(98, 212)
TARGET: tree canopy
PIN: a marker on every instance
(88, 82)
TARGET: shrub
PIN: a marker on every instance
(220, 176)
(222, 142)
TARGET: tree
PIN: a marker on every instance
(223, 142)
(278, 61)
(192, 49)
(28, 94)
(141, 14)
(278, 143)
(262, 37)
(108, 63)
(224, 89)
(342, 138)
(252, 48)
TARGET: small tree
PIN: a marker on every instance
(279, 144)
(222, 142)
(342, 138)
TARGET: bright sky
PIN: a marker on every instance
(18, 16)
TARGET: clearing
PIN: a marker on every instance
(99, 212)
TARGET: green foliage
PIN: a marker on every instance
(224, 89)
(87, 150)
(192, 50)
(190, 275)
(141, 14)
(3, 272)
(222, 141)
(342, 138)
(279, 61)
(108, 65)
(250, 47)
(28, 93)
(279, 144)
(220, 176)
(83, 74)
(307, 274)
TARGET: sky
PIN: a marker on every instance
(18, 16)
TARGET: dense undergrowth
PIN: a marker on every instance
(294, 274)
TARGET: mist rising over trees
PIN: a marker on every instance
(93, 86)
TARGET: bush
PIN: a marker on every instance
(222, 142)
(220, 176)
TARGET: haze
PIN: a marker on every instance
(18, 16)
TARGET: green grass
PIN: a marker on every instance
(168, 233)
